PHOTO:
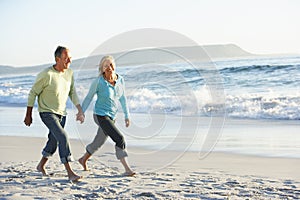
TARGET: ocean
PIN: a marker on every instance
(256, 89)
(261, 88)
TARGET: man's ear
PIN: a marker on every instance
(56, 59)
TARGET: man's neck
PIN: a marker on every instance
(58, 68)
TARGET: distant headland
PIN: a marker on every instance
(152, 55)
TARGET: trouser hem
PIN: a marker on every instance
(67, 159)
(120, 153)
(46, 154)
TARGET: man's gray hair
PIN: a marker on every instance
(59, 51)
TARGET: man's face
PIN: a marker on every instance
(65, 60)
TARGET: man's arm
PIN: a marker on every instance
(40, 83)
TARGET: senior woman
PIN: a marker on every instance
(109, 88)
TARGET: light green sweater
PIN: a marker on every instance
(53, 89)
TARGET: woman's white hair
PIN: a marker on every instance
(101, 65)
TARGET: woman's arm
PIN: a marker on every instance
(89, 97)
(124, 105)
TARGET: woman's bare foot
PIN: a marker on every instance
(42, 169)
(129, 173)
(83, 163)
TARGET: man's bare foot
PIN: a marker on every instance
(42, 169)
(83, 163)
(74, 178)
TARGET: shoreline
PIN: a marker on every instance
(262, 138)
(18, 147)
(150, 149)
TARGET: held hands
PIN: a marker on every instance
(80, 117)
(127, 122)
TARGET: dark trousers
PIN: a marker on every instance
(109, 128)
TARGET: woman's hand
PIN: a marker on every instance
(80, 117)
(127, 122)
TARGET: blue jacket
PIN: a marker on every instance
(107, 97)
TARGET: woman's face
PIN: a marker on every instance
(108, 67)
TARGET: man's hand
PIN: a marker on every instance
(28, 120)
(28, 117)
(127, 122)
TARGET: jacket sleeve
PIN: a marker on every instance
(73, 94)
(89, 97)
(123, 101)
(42, 80)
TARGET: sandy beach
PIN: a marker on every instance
(236, 169)
(217, 176)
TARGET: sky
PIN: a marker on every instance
(32, 29)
